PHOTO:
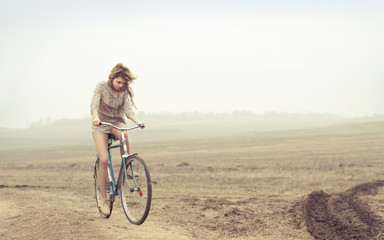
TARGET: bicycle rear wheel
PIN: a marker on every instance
(97, 191)
(135, 189)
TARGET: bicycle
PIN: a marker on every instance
(133, 184)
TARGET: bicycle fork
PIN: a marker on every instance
(131, 189)
(124, 157)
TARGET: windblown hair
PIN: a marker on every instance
(122, 71)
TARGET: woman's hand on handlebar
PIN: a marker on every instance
(96, 122)
(141, 124)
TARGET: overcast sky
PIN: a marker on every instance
(197, 55)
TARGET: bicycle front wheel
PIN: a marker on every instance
(135, 189)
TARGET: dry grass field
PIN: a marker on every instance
(324, 183)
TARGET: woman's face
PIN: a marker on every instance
(119, 83)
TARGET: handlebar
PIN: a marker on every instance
(122, 129)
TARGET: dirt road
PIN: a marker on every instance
(308, 184)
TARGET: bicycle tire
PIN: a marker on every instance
(136, 204)
(97, 191)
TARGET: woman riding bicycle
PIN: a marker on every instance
(111, 100)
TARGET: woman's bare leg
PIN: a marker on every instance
(101, 142)
(117, 134)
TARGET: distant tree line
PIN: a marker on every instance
(195, 115)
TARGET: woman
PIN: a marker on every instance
(110, 102)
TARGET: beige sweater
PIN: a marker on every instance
(111, 105)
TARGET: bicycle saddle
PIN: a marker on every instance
(111, 137)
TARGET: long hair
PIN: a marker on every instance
(122, 71)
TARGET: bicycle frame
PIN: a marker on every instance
(125, 155)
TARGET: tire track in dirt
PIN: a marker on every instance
(343, 215)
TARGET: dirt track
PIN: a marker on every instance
(343, 215)
(312, 184)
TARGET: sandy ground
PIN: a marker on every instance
(306, 184)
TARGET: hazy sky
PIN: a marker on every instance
(197, 55)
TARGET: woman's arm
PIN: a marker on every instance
(95, 104)
(128, 111)
(133, 118)
(95, 118)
